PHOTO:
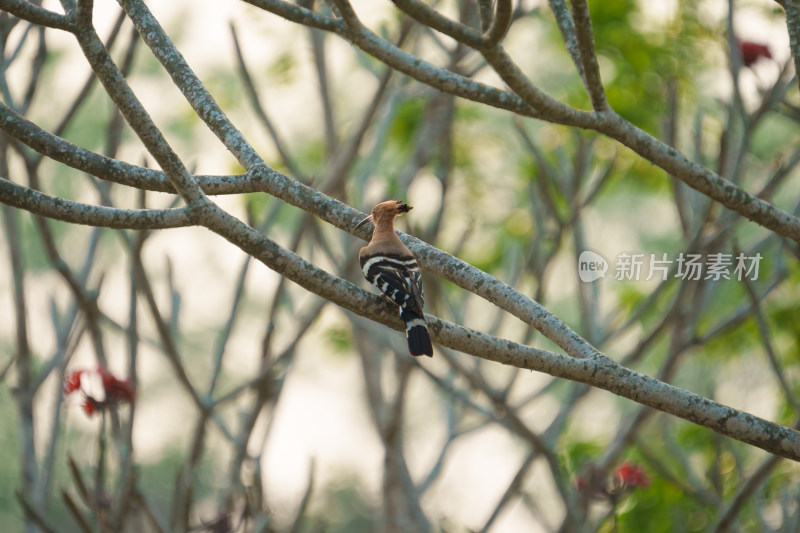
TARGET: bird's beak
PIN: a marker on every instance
(367, 219)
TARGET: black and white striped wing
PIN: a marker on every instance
(398, 278)
(417, 281)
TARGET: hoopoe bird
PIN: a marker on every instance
(390, 266)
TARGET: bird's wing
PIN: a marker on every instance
(398, 278)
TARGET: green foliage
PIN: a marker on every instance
(340, 339)
(783, 318)
(408, 116)
(662, 508)
(575, 454)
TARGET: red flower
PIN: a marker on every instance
(631, 475)
(117, 390)
(72, 382)
(752, 52)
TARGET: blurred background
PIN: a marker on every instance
(237, 401)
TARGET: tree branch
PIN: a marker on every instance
(700, 178)
(419, 69)
(91, 215)
(135, 114)
(591, 368)
(38, 15)
(600, 372)
(792, 10)
(591, 70)
(332, 210)
(567, 28)
(500, 24)
(428, 16)
(298, 14)
(547, 107)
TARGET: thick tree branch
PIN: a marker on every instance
(262, 178)
(37, 15)
(91, 215)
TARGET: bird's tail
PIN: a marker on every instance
(419, 342)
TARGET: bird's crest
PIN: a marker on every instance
(394, 207)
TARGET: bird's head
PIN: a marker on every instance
(385, 210)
